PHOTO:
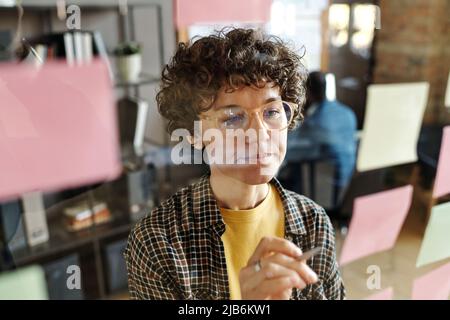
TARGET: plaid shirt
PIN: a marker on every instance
(176, 251)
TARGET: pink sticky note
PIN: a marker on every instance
(376, 223)
(189, 12)
(434, 285)
(386, 294)
(58, 127)
(442, 181)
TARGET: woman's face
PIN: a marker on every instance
(252, 156)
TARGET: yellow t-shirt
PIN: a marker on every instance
(244, 230)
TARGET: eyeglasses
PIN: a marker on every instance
(275, 115)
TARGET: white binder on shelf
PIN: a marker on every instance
(68, 45)
(87, 47)
(78, 45)
(35, 218)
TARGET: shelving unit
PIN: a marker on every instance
(144, 78)
(63, 242)
(90, 243)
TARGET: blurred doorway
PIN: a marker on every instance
(350, 50)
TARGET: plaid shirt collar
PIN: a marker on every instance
(207, 212)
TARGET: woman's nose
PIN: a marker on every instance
(257, 124)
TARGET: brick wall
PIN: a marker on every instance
(414, 45)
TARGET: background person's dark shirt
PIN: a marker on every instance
(328, 133)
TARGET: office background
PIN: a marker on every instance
(357, 43)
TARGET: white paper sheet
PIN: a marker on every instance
(394, 114)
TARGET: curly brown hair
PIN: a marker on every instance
(231, 58)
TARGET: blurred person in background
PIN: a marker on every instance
(327, 133)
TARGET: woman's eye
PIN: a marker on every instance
(272, 113)
(232, 120)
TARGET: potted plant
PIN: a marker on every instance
(129, 61)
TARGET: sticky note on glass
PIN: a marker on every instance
(442, 180)
(392, 122)
(447, 92)
(376, 222)
(436, 241)
(27, 283)
(58, 127)
(386, 294)
(434, 285)
(188, 13)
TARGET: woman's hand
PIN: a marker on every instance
(279, 271)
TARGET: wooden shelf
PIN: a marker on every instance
(45, 4)
(61, 240)
(143, 79)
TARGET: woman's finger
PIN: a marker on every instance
(274, 287)
(269, 271)
(304, 271)
(274, 244)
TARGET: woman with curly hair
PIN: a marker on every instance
(236, 233)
